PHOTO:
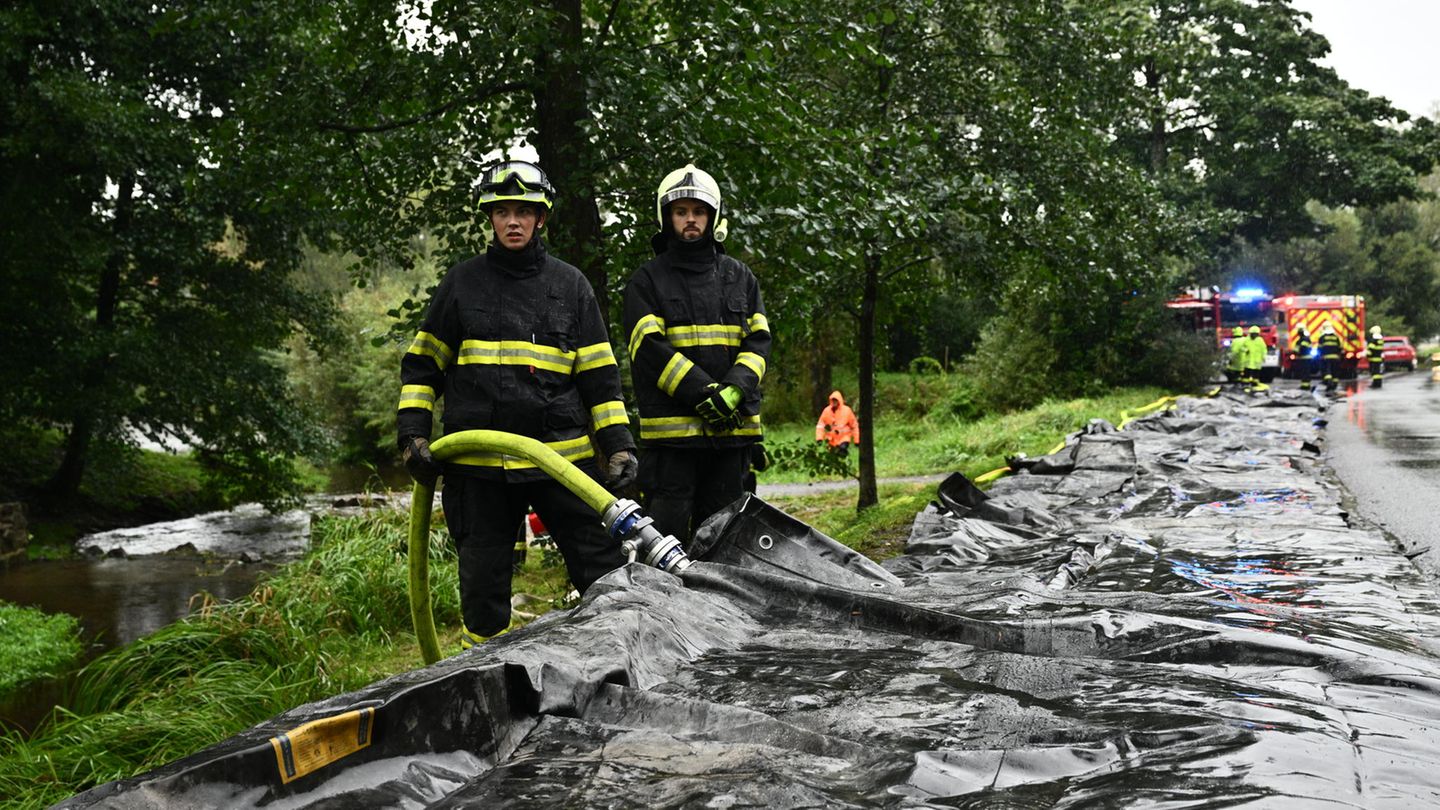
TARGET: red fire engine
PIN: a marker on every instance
(1207, 309)
(1343, 313)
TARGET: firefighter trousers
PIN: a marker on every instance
(683, 486)
(483, 517)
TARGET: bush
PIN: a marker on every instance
(1012, 368)
(35, 645)
(811, 458)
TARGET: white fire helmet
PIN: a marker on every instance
(691, 183)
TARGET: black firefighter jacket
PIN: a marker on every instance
(695, 317)
(514, 341)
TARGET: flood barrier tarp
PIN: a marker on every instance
(1174, 615)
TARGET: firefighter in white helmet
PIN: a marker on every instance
(1375, 353)
(699, 343)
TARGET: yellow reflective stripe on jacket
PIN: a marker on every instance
(571, 450)
(673, 373)
(417, 396)
(752, 361)
(593, 357)
(703, 334)
(430, 346)
(608, 413)
(681, 427)
(516, 353)
(757, 323)
(648, 325)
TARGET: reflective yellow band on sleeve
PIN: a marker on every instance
(682, 427)
(432, 347)
(673, 373)
(572, 450)
(417, 396)
(752, 361)
(757, 323)
(608, 413)
(648, 325)
(703, 334)
(588, 358)
(516, 353)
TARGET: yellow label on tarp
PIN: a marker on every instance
(308, 748)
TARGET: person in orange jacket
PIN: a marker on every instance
(837, 425)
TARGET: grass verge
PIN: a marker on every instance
(943, 443)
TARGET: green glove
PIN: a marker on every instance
(719, 409)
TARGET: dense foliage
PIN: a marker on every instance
(1022, 181)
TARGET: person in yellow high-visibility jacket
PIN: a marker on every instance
(1255, 350)
(1235, 357)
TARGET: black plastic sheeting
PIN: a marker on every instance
(1173, 615)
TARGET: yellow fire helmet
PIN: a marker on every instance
(691, 183)
(1375, 332)
(1254, 330)
(1239, 331)
(517, 180)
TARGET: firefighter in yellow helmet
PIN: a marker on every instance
(1375, 353)
(1255, 350)
(513, 340)
(1235, 357)
(1330, 351)
(699, 343)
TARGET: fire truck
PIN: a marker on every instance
(1343, 313)
(1208, 310)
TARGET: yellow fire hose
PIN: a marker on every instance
(621, 517)
(1126, 417)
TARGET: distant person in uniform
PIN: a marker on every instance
(1375, 353)
(1304, 362)
(1235, 357)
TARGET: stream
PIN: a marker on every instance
(130, 582)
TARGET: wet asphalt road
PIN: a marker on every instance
(1385, 447)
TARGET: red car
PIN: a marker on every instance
(1399, 352)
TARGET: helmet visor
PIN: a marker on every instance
(515, 180)
(689, 186)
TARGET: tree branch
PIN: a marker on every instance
(906, 266)
(605, 29)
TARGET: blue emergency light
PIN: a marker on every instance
(1249, 292)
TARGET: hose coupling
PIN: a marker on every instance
(641, 540)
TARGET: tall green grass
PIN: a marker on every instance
(940, 441)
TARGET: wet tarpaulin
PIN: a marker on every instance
(1173, 615)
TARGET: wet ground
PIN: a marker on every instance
(1181, 614)
(1385, 446)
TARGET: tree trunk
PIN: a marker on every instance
(1159, 147)
(820, 375)
(566, 152)
(869, 493)
(66, 482)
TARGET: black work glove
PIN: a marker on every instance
(422, 466)
(620, 470)
(759, 459)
